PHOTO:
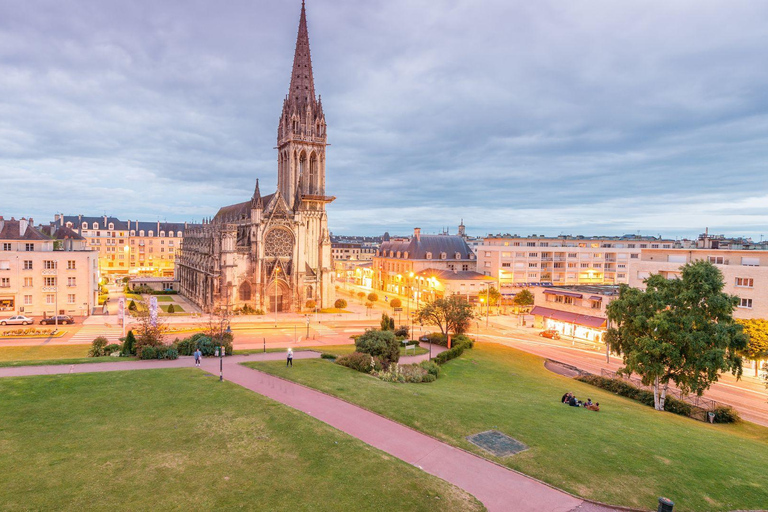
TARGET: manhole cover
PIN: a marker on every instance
(501, 445)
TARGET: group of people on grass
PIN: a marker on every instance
(570, 399)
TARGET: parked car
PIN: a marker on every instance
(58, 319)
(551, 334)
(17, 320)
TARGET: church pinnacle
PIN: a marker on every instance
(302, 87)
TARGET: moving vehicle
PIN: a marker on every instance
(58, 319)
(17, 320)
(551, 334)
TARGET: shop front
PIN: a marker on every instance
(568, 324)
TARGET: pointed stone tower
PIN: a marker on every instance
(301, 135)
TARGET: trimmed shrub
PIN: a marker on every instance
(432, 367)
(326, 355)
(111, 349)
(429, 378)
(458, 346)
(97, 347)
(402, 332)
(129, 344)
(360, 362)
(148, 352)
(310, 304)
(171, 353)
(437, 338)
(340, 304)
(132, 305)
(372, 297)
(171, 309)
(725, 414)
(387, 323)
(382, 344)
(396, 303)
(259, 312)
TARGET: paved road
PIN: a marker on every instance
(497, 487)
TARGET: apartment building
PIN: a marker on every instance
(745, 273)
(45, 271)
(564, 260)
(129, 247)
(399, 261)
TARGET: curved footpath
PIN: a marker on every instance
(498, 488)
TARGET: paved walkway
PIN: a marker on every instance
(497, 487)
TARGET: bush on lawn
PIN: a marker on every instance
(148, 352)
(97, 347)
(673, 405)
(340, 304)
(406, 373)
(359, 361)
(382, 344)
(396, 303)
(171, 353)
(432, 367)
(111, 349)
(129, 345)
(458, 345)
(132, 305)
(326, 355)
(171, 309)
(206, 344)
(387, 323)
(402, 332)
(372, 297)
(725, 414)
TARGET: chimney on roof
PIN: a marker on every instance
(22, 226)
(105, 221)
(56, 217)
(417, 234)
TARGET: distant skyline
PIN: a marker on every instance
(598, 118)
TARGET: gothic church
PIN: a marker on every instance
(271, 252)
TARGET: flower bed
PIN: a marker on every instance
(30, 332)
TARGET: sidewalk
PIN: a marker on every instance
(497, 487)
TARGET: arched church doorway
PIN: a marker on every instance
(278, 297)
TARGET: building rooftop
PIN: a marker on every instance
(455, 275)
(417, 247)
(594, 289)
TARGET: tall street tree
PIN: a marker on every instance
(679, 330)
(452, 315)
(757, 346)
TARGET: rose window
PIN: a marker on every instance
(278, 242)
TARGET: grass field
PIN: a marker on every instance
(52, 354)
(176, 308)
(164, 298)
(626, 454)
(180, 440)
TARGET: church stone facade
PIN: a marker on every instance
(271, 252)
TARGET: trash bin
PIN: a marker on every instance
(711, 417)
(665, 505)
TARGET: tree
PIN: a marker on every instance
(387, 323)
(678, 330)
(372, 297)
(171, 309)
(450, 315)
(383, 344)
(757, 346)
(396, 303)
(494, 294)
(340, 304)
(523, 298)
(146, 333)
(132, 306)
(361, 296)
(129, 344)
(310, 304)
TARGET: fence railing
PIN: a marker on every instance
(697, 401)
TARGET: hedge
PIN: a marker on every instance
(458, 346)
(723, 414)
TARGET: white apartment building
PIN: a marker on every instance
(564, 260)
(45, 271)
(745, 273)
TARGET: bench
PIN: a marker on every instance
(410, 346)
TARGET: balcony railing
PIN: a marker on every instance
(49, 272)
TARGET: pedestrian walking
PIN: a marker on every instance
(198, 355)
(289, 362)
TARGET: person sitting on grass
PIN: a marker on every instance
(588, 402)
(573, 402)
(594, 407)
(565, 398)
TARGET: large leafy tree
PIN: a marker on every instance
(493, 293)
(523, 298)
(678, 330)
(451, 314)
(757, 347)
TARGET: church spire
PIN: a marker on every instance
(302, 87)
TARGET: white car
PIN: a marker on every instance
(17, 320)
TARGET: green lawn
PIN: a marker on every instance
(626, 454)
(52, 354)
(337, 350)
(164, 298)
(180, 440)
(176, 308)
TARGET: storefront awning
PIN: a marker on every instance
(595, 297)
(566, 294)
(568, 317)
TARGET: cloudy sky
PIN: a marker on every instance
(525, 117)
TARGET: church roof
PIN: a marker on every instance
(233, 212)
(418, 247)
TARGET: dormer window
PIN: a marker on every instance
(95, 225)
(162, 233)
(391, 254)
(69, 224)
(85, 225)
(405, 255)
(170, 234)
(398, 254)
(151, 233)
(111, 226)
(457, 256)
(141, 233)
(429, 255)
(443, 256)
(133, 232)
